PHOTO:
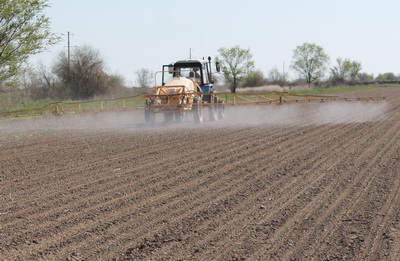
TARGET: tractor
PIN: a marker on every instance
(186, 89)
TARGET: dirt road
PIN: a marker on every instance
(288, 182)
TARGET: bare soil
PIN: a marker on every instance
(287, 182)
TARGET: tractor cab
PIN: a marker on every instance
(198, 71)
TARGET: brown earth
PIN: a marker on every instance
(287, 182)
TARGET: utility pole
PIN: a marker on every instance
(190, 53)
(69, 52)
(283, 75)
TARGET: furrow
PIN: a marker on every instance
(225, 196)
(289, 198)
(52, 199)
(336, 203)
(59, 221)
(198, 193)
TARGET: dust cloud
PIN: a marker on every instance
(306, 114)
(269, 115)
(79, 122)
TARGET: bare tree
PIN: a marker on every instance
(84, 75)
(144, 78)
(276, 77)
(43, 84)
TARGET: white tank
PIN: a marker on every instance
(181, 82)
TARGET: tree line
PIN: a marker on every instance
(309, 61)
(25, 31)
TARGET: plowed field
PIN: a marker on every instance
(275, 182)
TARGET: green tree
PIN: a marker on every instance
(355, 69)
(389, 76)
(341, 70)
(365, 77)
(254, 78)
(236, 63)
(345, 70)
(24, 31)
(310, 61)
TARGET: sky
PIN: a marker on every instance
(135, 34)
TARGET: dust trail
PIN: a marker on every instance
(349, 112)
(306, 114)
(270, 115)
(83, 122)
